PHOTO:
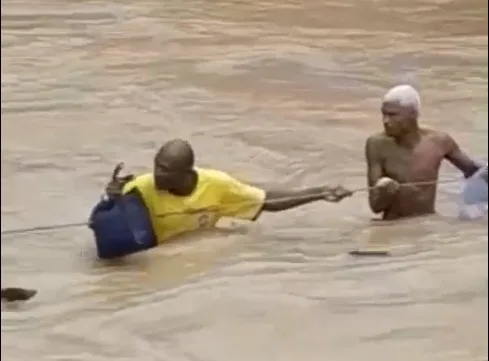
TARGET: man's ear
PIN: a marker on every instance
(192, 173)
(413, 114)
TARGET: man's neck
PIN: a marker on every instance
(410, 139)
(187, 188)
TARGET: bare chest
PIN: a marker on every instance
(418, 164)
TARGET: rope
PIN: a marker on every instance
(283, 199)
(424, 183)
(43, 228)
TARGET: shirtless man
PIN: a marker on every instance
(406, 153)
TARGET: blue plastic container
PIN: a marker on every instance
(122, 227)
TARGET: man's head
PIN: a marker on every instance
(174, 167)
(400, 109)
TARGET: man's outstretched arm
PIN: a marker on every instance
(244, 201)
(281, 200)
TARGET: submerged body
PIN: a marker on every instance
(419, 163)
(216, 195)
(403, 154)
(177, 197)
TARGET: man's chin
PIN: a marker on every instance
(392, 134)
(161, 187)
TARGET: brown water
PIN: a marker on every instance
(272, 92)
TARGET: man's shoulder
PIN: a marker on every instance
(140, 181)
(214, 176)
(378, 139)
(440, 137)
(431, 132)
(218, 178)
(146, 178)
(211, 173)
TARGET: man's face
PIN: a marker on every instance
(396, 118)
(167, 175)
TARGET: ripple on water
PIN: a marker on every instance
(274, 93)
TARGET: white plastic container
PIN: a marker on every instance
(473, 203)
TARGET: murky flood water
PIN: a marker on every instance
(272, 92)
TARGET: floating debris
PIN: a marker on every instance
(12, 294)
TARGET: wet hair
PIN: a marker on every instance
(404, 95)
(178, 152)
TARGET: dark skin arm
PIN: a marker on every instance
(459, 158)
(378, 201)
(272, 199)
(277, 200)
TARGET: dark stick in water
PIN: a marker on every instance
(369, 252)
(11, 294)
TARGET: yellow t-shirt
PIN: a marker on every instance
(217, 195)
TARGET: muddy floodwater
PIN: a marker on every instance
(273, 92)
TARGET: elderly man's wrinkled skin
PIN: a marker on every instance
(405, 153)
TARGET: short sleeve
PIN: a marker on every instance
(239, 200)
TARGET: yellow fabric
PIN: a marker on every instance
(217, 195)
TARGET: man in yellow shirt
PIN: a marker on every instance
(179, 198)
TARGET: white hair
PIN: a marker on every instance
(405, 95)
